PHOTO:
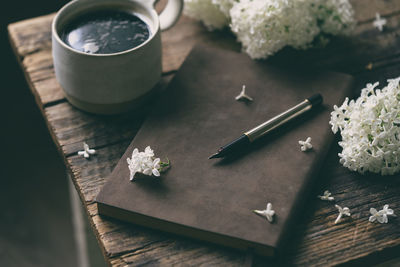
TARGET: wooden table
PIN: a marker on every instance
(370, 55)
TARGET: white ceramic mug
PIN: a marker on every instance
(117, 82)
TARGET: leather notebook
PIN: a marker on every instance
(213, 200)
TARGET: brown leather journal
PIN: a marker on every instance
(213, 199)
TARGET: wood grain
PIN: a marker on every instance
(318, 241)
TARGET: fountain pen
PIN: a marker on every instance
(250, 136)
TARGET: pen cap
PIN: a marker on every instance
(315, 99)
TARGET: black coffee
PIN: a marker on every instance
(105, 32)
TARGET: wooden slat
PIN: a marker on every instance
(71, 126)
(366, 10)
(32, 35)
(318, 242)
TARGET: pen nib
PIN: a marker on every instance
(214, 156)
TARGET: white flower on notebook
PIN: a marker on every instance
(342, 211)
(305, 145)
(267, 213)
(243, 95)
(145, 163)
(326, 196)
(86, 152)
(382, 215)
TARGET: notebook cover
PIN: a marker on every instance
(213, 199)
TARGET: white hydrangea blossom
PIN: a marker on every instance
(224, 5)
(370, 129)
(334, 16)
(145, 163)
(208, 11)
(266, 26)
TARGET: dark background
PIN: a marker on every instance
(35, 219)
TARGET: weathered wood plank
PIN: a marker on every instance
(318, 242)
(355, 236)
(71, 126)
(31, 35)
(366, 10)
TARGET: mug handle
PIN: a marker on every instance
(171, 13)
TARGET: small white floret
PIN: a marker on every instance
(342, 211)
(388, 211)
(326, 196)
(375, 215)
(243, 95)
(306, 145)
(267, 213)
(382, 215)
(379, 22)
(86, 152)
(145, 163)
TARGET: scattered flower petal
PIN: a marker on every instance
(379, 22)
(326, 196)
(387, 211)
(342, 211)
(306, 145)
(267, 213)
(86, 152)
(382, 215)
(243, 95)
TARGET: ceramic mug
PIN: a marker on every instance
(116, 82)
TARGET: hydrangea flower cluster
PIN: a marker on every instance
(145, 163)
(266, 26)
(370, 129)
(334, 17)
(213, 13)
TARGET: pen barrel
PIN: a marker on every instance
(278, 120)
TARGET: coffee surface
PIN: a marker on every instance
(105, 32)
